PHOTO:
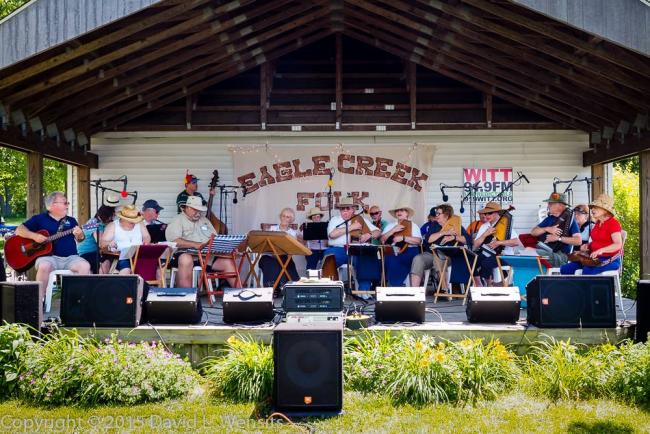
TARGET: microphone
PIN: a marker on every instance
(445, 198)
(124, 193)
(234, 199)
(330, 182)
(525, 178)
(462, 208)
(245, 191)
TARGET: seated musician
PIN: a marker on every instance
(269, 265)
(191, 187)
(122, 234)
(584, 222)
(405, 237)
(431, 219)
(150, 211)
(559, 231)
(89, 247)
(445, 231)
(474, 226)
(317, 247)
(64, 250)
(375, 218)
(606, 240)
(368, 268)
(488, 234)
(190, 229)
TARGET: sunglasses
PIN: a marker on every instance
(375, 213)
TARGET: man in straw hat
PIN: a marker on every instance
(367, 267)
(64, 250)
(405, 243)
(486, 262)
(190, 229)
(550, 230)
(606, 241)
(127, 231)
(317, 247)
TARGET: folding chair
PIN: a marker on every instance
(150, 262)
(209, 275)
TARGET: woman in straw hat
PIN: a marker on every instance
(317, 247)
(127, 231)
(406, 244)
(606, 241)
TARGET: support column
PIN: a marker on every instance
(34, 183)
(83, 193)
(598, 187)
(644, 210)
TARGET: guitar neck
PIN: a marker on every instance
(58, 235)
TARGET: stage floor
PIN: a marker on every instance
(445, 319)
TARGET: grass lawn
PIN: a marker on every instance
(511, 413)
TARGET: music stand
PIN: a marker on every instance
(277, 243)
(315, 231)
(448, 251)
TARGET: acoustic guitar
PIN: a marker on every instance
(21, 253)
(219, 226)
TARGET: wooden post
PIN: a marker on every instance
(34, 183)
(339, 80)
(598, 187)
(644, 210)
(83, 193)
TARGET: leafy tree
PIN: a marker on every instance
(626, 202)
(13, 182)
(8, 6)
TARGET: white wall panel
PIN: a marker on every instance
(155, 163)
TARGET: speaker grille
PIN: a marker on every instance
(308, 370)
(19, 303)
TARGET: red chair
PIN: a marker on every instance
(150, 262)
(209, 275)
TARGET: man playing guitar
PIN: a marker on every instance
(64, 253)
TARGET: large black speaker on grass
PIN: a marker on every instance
(101, 300)
(308, 367)
(20, 303)
(642, 310)
(571, 301)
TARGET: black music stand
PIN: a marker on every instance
(315, 231)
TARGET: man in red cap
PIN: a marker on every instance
(191, 187)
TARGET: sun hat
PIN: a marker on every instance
(393, 211)
(130, 214)
(111, 199)
(490, 207)
(556, 197)
(605, 202)
(196, 202)
(315, 211)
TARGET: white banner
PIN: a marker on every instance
(297, 177)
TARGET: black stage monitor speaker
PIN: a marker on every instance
(19, 303)
(242, 305)
(308, 367)
(642, 310)
(405, 304)
(571, 301)
(101, 300)
(172, 306)
(493, 304)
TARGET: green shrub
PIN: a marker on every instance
(626, 202)
(68, 369)
(14, 342)
(365, 358)
(244, 372)
(630, 381)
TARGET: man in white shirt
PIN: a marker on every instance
(487, 261)
(360, 230)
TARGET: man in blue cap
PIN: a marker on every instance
(150, 211)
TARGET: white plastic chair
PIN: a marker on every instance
(196, 273)
(51, 283)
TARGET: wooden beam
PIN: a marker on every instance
(84, 48)
(615, 150)
(466, 14)
(339, 80)
(488, 109)
(598, 174)
(412, 85)
(616, 56)
(644, 211)
(34, 183)
(83, 193)
(13, 138)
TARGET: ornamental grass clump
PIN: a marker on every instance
(15, 341)
(630, 381)
(485, 370)
(366, 358)
(68, 369)
(243, 372)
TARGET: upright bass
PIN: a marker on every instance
(219, 226)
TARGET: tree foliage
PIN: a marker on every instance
(8, 6)
(626, 202)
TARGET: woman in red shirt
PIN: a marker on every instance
(606, 240)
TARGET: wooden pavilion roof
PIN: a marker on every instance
(105, 79)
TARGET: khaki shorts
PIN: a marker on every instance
(59, 262)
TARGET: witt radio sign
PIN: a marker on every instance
(490, 183)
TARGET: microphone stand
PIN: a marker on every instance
(587, 180)
(509, 187)
(346, 222)
(224, 192)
